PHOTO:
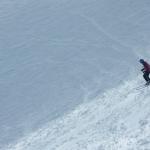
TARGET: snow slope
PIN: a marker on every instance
(59, 56)
(118, 119)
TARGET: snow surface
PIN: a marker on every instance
(69, 75)
(121, 122)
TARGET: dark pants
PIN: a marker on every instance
(146, 76)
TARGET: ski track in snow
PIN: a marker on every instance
(118, 119)
(101, 30)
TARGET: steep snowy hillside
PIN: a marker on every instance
(58, 54)
(118, 120)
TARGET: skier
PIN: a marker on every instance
(145, 70)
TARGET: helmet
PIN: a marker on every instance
(141, 61)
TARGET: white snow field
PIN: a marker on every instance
(118, 119)
(69, 74)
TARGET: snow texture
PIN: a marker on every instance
(69, 75)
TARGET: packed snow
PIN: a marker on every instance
(70, 77)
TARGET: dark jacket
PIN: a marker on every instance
(146, 67)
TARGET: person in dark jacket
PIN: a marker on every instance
(145, 70)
